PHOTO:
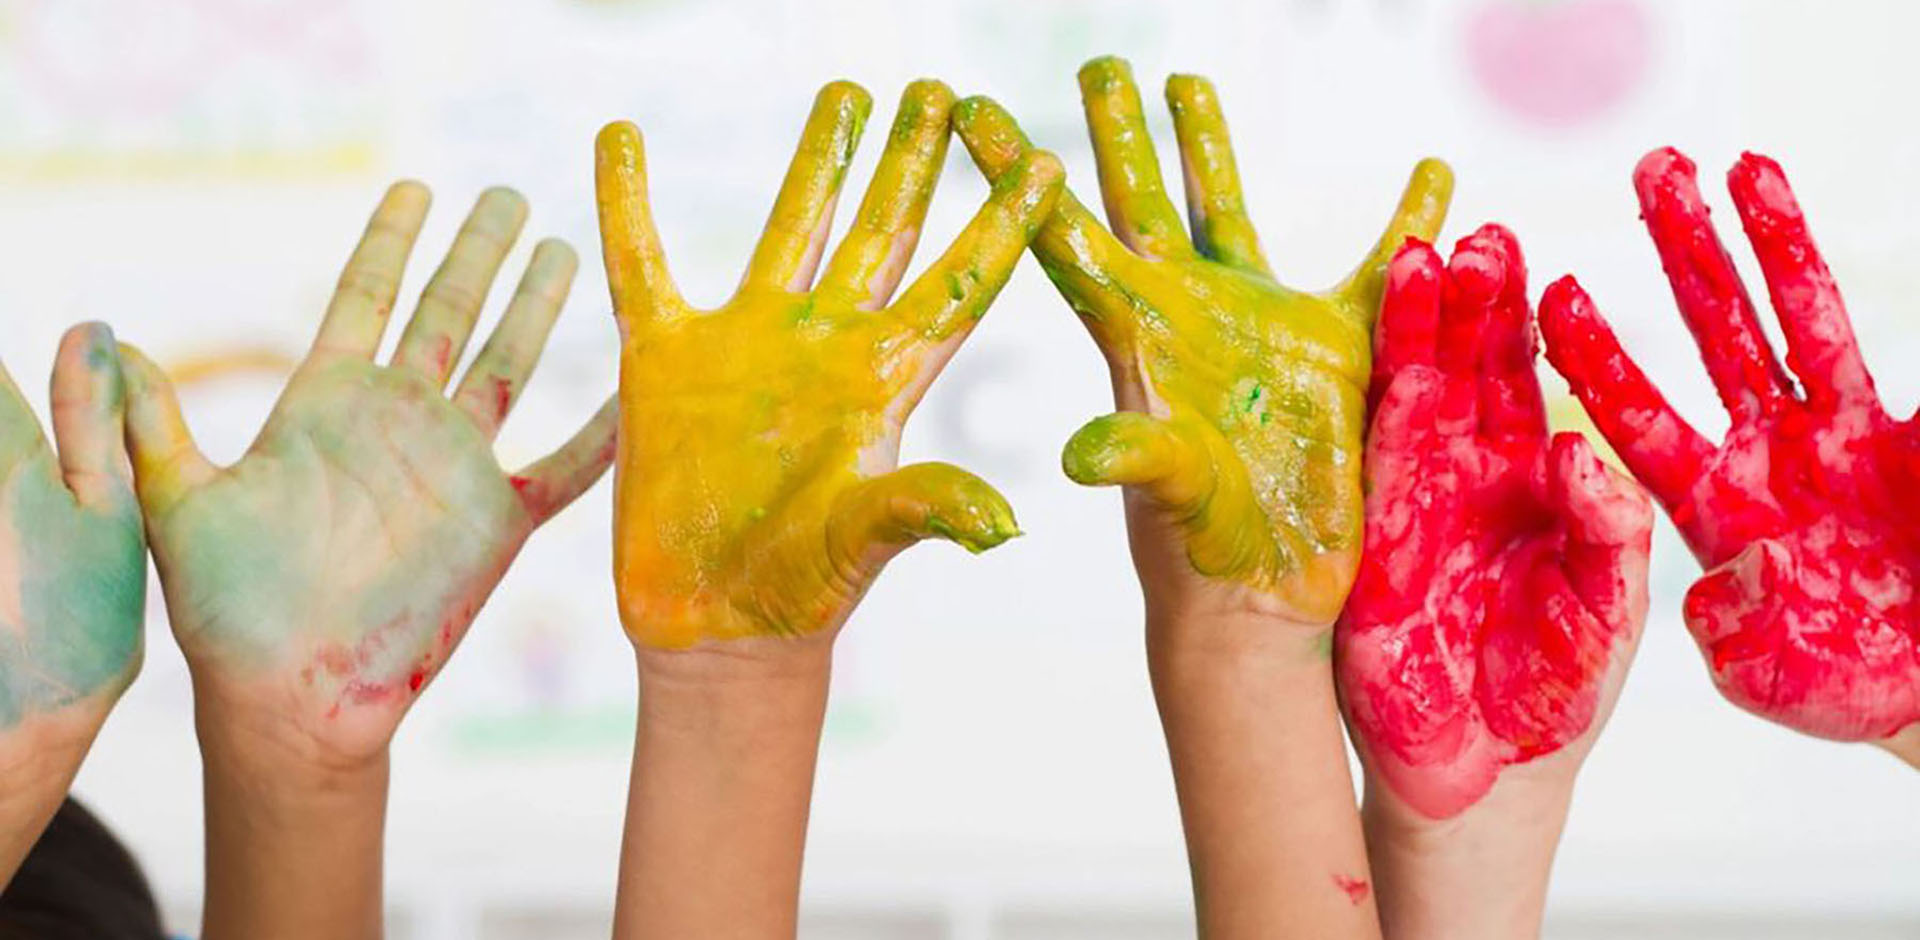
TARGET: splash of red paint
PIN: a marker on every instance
(1357, 889)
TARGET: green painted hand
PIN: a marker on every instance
(73, 565)
(1243, 402)
(758, 494)
(325, 577)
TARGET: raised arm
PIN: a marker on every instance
(759, 490)
(1499, 601)
(1237, 440)
(319, 584)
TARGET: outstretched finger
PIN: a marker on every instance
(491, 386)
(1130, 181)
(1510, 402)
(874, 254)
(1664, 452)
(1408, 334)
(796, 234)
(167, 464)
(1082, 259)
(556, 480)
(1422, 209)
(1707, 289)
(363, 301)
(1475, 282)
(89, 415)
(955, 292)
(880, 516)
(443, 323)
(1215, 206)
(1821, 349)
(643, 291)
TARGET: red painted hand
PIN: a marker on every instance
(1804, 516)
(1503, 582)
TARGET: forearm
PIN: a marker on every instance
(35, 774)
(1273, 834)
(294, 841)
(723, 770)
(1482, 874)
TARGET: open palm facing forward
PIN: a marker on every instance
(1242, 400)
(757, 493)
(328, 574)
(1505, 576)
(1804, 516)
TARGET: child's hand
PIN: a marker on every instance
(1504, 581)
(323, 580)
(1242, 400)
(73, 582)
(1804, 516)
(758, 494)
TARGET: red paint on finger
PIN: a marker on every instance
(1809, 612)
(1357, 890)
(502, 398)
(1501, 569)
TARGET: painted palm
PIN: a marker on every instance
(330, 572)
(73, 567)
(759, 493)
(1242, 400)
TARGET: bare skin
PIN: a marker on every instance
(72, 582)
(1242, 405)
(319, 584)
(758, 491)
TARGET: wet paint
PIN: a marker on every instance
(1244, 399)
(758, 493)
(1803, 515)
(1504, 567)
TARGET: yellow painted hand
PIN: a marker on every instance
(1243, 401)
(756, 493)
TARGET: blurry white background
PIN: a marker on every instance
(195, 172)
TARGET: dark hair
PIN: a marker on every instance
(79, 883)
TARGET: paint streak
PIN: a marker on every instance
(1357, 890)
(1503, 566)
(1804, 515)
(502, 398)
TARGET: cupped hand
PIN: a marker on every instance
(73, 566)
(1804, 515)
(1242, 400)
(1504, 579)
(324, 579)
(757, 493)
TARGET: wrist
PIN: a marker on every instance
(1481, 873)
(1904, 744)
(756, 686)
(1184, 639)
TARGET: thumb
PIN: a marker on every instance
(167, 464)
(89, 404)
(1148, 453)
(925, 500)
(1609, 530)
